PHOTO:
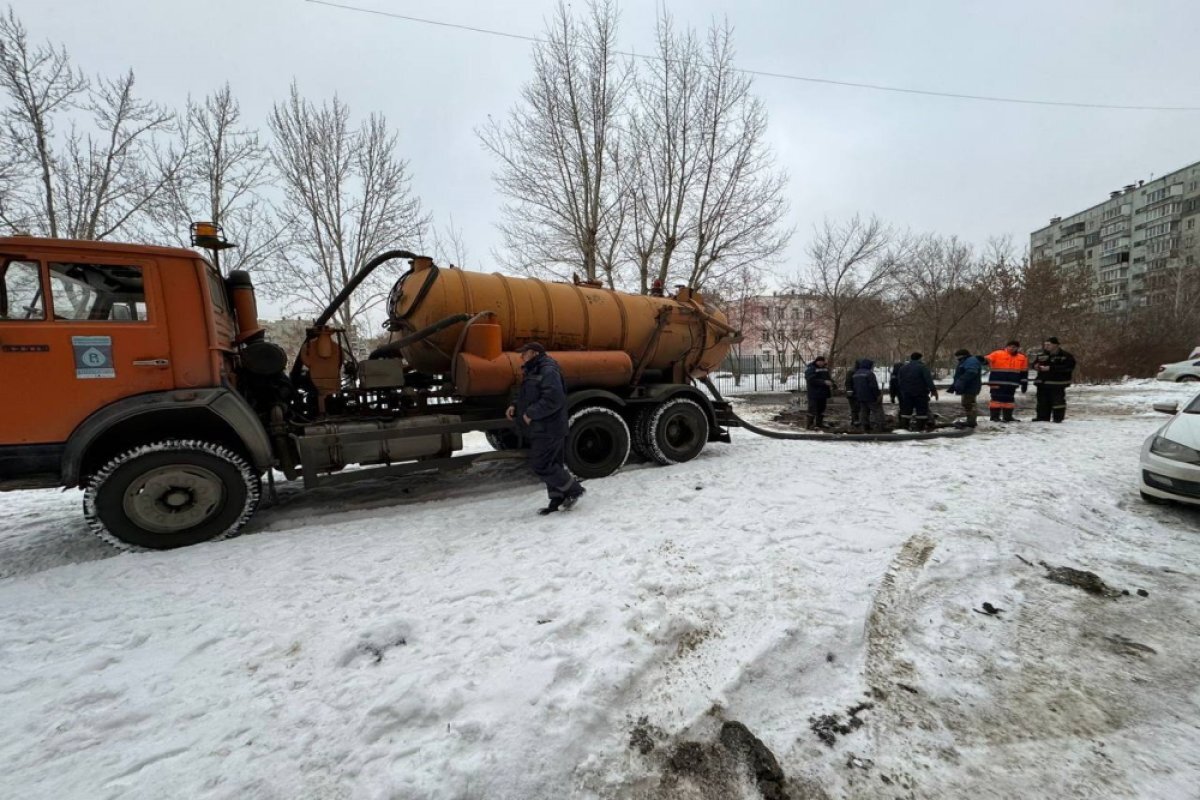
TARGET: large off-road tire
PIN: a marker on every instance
(597, 442)
(674, 431)
(170, 494)
(503, 439)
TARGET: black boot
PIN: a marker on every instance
(1008, 415)
(555, 504)
(572, 497)
(809, 421)
(820, 423)
(1060, 414)
(995, 415)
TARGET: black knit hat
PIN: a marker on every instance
(1052, 340)
(962, 352)
(1012, 343)
(534, 346)
(914, 357)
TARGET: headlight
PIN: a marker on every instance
(1175, 451)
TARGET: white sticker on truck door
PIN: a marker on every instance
(93, 357)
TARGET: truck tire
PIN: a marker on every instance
(639, 425)
(171, 494)
(674, 431)
(503, 439)
(597, 442)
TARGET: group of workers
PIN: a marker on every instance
(911, 387)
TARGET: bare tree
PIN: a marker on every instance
(347, 196)
(854, 264)
(665, 153)
(40, 82)
(108, 180)
(447, 245)
(740, 202)
(940, 287)
(707, 196)
(561, 159)
(223, 169)
(83, 184)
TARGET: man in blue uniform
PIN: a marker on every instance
(541, 414)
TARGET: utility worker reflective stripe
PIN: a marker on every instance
(1008, 369)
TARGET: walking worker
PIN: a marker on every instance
(869, 395)
(540, 413)
(916, 387)
(1054, 367)
(968, 380)
(819, 385)
(1009, 370)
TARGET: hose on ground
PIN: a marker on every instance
(949, 433)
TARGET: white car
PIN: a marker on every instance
(1180, 371)
(1171, 457)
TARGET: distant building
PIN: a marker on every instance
(1135, 242)
(783, 323)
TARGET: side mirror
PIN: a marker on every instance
(1166, 408)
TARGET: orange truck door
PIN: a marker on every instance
(77, 332)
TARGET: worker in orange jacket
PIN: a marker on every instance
(1009, 370)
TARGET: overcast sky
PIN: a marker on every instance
(974, 169)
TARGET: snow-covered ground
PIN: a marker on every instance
(431, 637)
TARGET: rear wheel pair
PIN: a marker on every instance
(600, 439)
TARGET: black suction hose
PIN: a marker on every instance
(837, 437)
(356, 279)
(952, 433)
(392, 349)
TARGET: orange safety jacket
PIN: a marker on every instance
(1007, 373)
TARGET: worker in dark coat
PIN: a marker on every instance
(1054, 367)
(868, 395)
(894, 383)
(967, 383)
(916, 387)
(819, 385)
(540, 413)
(851, 399)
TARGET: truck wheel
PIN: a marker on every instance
(171, 494)
(597, 442)
(503, 440)
(639, 426)
(675, 431)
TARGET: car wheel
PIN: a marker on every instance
(171, 494)
(1188, 379)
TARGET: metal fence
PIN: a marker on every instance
(759, 372)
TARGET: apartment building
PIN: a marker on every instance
(1139, 243)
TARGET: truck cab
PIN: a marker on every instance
(100, 341)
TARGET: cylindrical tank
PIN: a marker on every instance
(678, 333)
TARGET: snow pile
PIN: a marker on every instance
(431, 637)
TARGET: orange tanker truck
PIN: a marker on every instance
(142, 376)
